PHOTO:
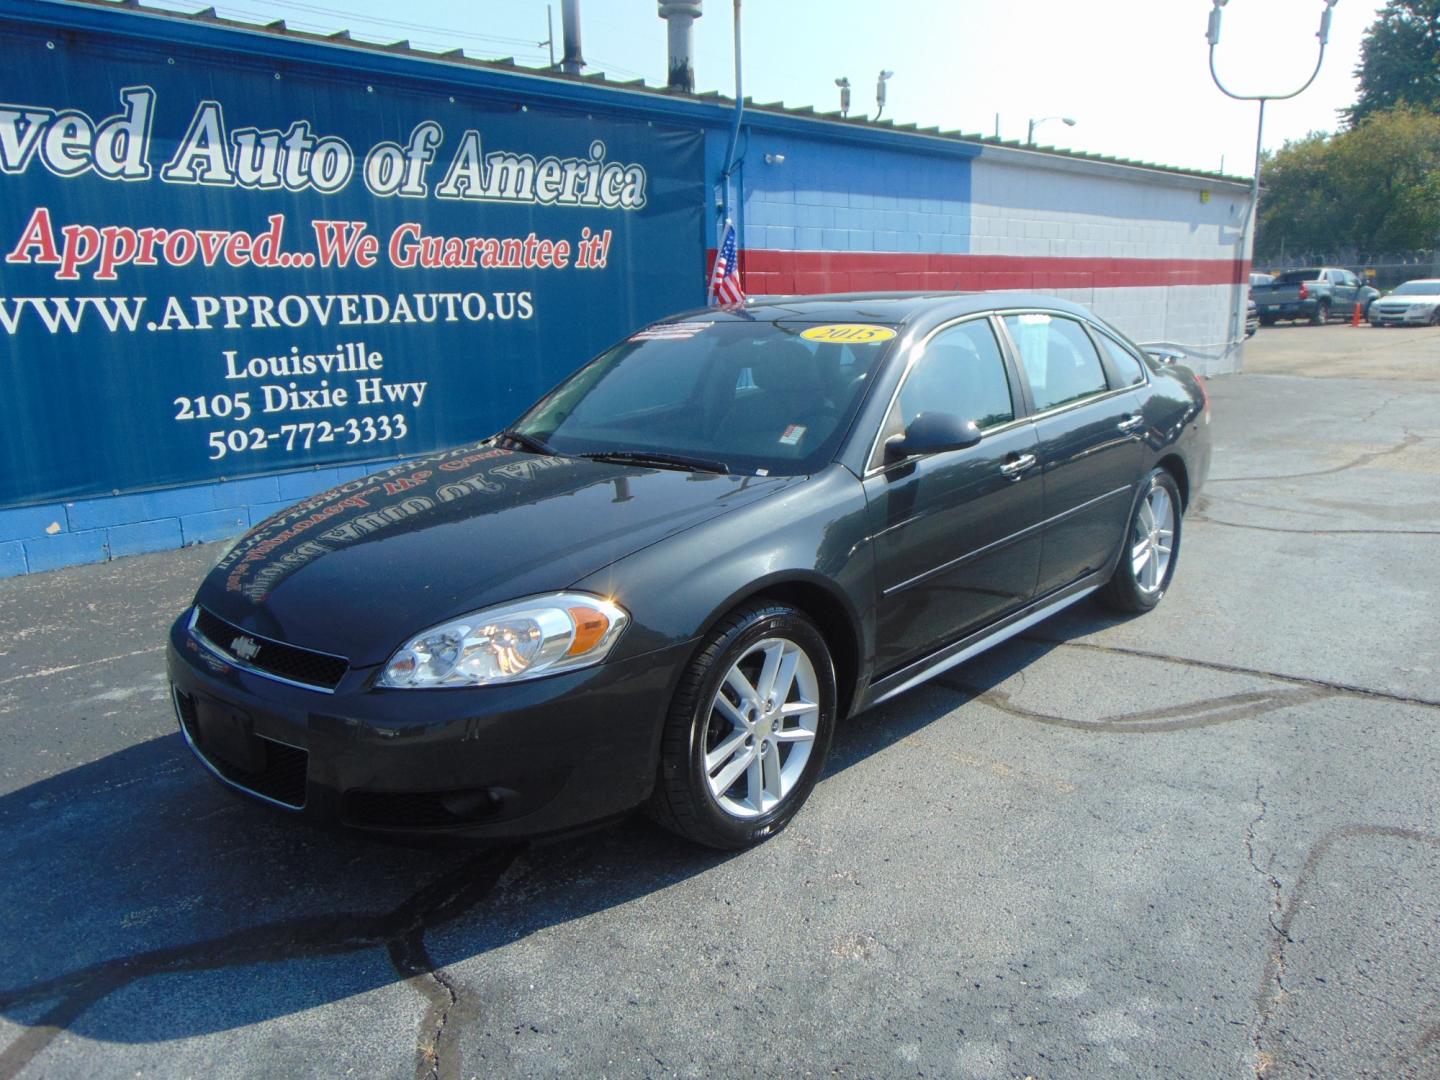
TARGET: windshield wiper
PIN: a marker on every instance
(647, 457)
(529, 442)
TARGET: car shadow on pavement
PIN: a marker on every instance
(878, 728)
(138, 865)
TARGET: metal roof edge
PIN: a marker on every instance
(1094, 164)
(205, 29)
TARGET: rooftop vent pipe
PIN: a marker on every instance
(572, 63)
(681, 16)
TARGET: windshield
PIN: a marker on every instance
(748, 397)
(1417, 288)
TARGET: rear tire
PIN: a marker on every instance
(1151, 548)
(748, 730)
(1321, 314)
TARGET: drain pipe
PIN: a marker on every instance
(730, 162)
(572, 63)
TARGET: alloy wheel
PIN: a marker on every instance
(761, 727)
(1153, 540)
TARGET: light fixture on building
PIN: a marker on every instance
(880, 92)
(844, 84)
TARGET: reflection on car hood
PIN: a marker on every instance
(357, 569)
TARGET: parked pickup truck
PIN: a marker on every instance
(1315, 294)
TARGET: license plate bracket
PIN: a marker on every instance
(227, 733)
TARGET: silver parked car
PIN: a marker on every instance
(1416, 303)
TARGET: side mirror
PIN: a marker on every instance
(932, 433)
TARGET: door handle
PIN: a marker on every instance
(1131, 423)
(1014, 469)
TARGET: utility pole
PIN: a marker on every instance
(549, 34)
(1247, 232)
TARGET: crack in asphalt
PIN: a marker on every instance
(1364, 459)
(1272, 990)
(401, 931)
(1276, 956)
(409, 957)
(1382, 406)
(1264, 872)
(1348, 689)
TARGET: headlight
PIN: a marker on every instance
(521, 640)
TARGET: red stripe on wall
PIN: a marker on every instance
(772, 271)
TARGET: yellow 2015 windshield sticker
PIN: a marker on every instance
(848, 333)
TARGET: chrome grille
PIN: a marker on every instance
(265, 656)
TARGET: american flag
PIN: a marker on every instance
(725, 277)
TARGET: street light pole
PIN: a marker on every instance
(1030, 132)
(1247, 232)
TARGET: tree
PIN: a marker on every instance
(1297, 202)
(1399, 59)
(1373, 188)
(1386, 170)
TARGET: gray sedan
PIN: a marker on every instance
(1416, 303)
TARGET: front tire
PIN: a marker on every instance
(1151, 549)
(748, 730)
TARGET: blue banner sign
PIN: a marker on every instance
(216, 269)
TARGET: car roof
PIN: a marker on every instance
(892, 308)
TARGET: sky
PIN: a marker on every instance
(1133, 74)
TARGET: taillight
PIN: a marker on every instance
(1304, 291)
(1204, 397)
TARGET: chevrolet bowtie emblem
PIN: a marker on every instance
(247, 648)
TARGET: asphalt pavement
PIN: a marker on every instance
(1199, 843)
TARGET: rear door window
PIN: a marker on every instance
(1058, 358)
(1125, 363)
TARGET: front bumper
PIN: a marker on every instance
(1380, 317)
(498, 762)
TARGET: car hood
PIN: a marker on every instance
(358, 569)
(1411, 298)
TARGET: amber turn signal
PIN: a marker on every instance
(590, 627)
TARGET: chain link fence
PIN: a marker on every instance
(1383, 270)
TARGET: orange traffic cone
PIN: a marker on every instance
(1355, 319)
